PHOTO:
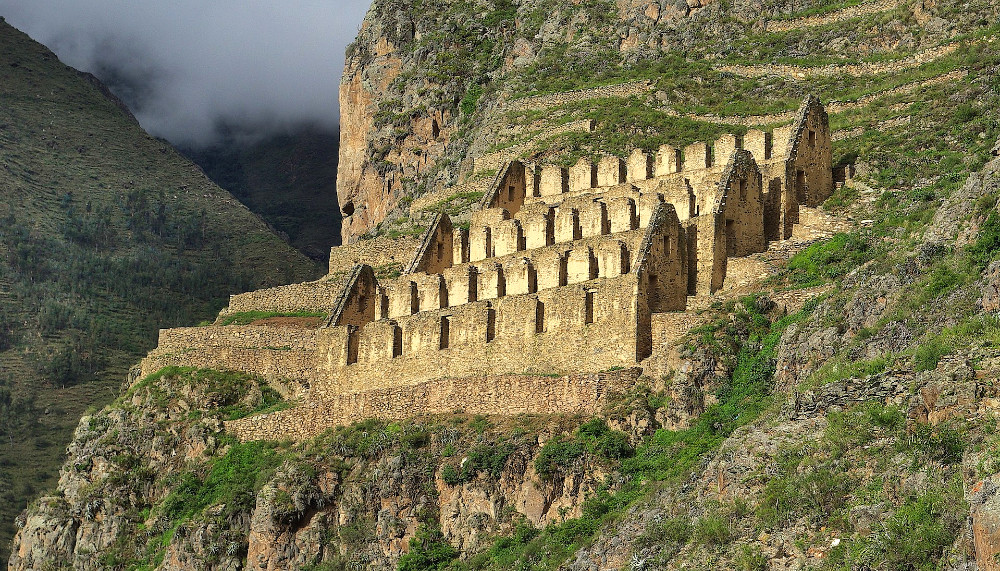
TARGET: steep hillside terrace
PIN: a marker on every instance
(560, 271)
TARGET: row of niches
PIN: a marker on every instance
(547, 267)
(493, 232)
(547, 320)
(544, 181)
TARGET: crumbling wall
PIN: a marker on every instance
(319, 295)
(377, 252)
(810, 153)
(507, 395)
(740, 207)
(436, 250)
(270, 352)
(578, 327)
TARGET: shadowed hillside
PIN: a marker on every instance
(106, 235)
(290, 180)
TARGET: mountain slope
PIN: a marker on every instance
(107, 234)
(850, 426)
(289, 180)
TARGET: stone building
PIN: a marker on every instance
(560, 271)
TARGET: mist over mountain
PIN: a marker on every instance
(187, 68)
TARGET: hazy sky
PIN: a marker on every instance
(184, 66)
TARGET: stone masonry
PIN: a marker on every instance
(561, 271)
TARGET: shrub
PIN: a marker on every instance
(601, 440)
(987, 244)
(914, 536)
(828, 260)
(927, 356)
(558, 456)
(712, 530)
(429, 551)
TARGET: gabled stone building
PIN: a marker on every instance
(560, 271)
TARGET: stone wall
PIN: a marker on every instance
(560, 271)
(491, 395)
(587, 326)
(271, 352)
(891, 387)
(377, 252)
(310, 296)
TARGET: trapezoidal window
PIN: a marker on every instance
(588, 309)
(440, 251)
(539, 317)
(353, 342)
(812, 138)
(445, 332)
(383, 306)
(510, 194)
(491, 324)
(397, 341)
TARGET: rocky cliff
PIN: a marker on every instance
(834, 408)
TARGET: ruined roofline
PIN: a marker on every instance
(494, 187)
(663, 215)
(426, 240)
(740, 158)
(811, 104)
(640, 164)
(340, 304)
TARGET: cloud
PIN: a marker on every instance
(188, 68)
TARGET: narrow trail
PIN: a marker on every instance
(795, 72)
(831, 107)
(867, 9)
(541, 102)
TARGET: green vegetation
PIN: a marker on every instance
(668, 456)
(457, 203)
(825, 261)
(987, 245)
(429, 551)
(483, 459)
(594, 436)
(231, 481)
(106, 236)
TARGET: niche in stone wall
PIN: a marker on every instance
(445, 332)
(353, 344)
(539, 317)
(397, 340)
(491, 324)
(653, 289)
(588, 310)
(414, 299)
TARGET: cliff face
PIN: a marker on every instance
(153, 479)
(436, 95)
(853, 427)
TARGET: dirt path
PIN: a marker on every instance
(852, 12)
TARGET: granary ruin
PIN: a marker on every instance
(561, 271)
